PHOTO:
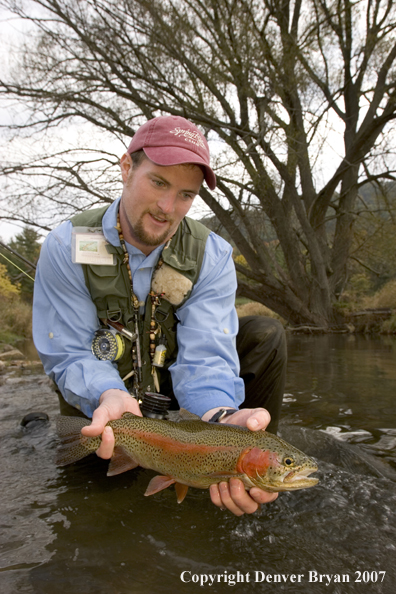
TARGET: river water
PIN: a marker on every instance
(75, 530)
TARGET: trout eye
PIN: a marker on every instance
(288, 461)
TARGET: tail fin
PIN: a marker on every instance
(74, 446)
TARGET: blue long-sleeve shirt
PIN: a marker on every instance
(205, 374)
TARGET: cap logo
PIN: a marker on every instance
(193, 137)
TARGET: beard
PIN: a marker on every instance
(139, 233)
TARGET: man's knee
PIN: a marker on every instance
(261, 329)
(269, 329)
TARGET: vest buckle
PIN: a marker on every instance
(160, 315)
(114, 316)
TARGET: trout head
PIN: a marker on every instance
(276, 468)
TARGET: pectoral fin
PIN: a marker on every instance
(181, 491)
(120, 462)
(158, 483)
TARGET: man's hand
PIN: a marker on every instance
(232, 495)
(112, 405)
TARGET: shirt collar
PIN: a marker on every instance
(109, 223)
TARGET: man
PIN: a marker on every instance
(166, 280)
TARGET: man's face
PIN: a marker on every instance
(154, 200)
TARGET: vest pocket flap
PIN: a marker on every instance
(179, 261)
(104, 270)
(113, 249)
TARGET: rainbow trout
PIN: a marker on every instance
(192, 453)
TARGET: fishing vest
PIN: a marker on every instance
(110, 290)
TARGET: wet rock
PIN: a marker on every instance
(4, 347)
(15, 380)
(18, 368)
(323, 446)
(46, 381)
(34, 418)
(12, 355)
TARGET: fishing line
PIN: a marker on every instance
(13, 263)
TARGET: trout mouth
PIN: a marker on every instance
(291, 480)
(296, 479)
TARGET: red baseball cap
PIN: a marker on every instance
(173, 140)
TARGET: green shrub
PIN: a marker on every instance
(16, 316)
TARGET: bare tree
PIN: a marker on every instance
(296, 98)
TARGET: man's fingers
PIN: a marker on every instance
(133, 407)
(106, 448)
(220, 495)
(100, 418)
(252, 418)
(261, 496)
(233, 497)
(240, 497)
(215, 495)
(259, 420)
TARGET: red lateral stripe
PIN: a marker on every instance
(166, 443)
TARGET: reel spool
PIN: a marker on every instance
(155, 406)
(107, 345)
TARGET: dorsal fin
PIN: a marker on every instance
(129, 415)
(186, 415)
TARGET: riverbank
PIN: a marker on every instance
(14, 363)
(375, 315)
(365, 321)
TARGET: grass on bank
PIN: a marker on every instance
(385, 297)
(367, 313)
(252, 308)
(15, 314)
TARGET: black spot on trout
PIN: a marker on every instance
(192, 453)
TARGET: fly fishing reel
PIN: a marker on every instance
(108, 345)
(155, 405)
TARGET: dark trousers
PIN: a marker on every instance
(261, 346)
(262, 351)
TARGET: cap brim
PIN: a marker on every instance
(168, 156)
